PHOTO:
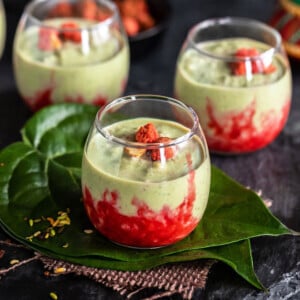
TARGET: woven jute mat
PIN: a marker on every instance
(182, 278)
(176, 278)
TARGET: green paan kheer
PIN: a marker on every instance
(93, 68)
(220, 97)
(144, 188)
(210, 71)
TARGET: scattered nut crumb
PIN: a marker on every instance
(59, 270)
(14, 261)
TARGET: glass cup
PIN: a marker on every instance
(2, 28)
(235, 73)
(145, 171)
(70, 51)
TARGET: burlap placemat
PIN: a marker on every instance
(176, 278)
(162, 281)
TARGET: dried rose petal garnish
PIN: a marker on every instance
(168, 151)
(257, 65)
(69, 34)
(147, 134)
(48, 39)
(269, 69)
(86, 9)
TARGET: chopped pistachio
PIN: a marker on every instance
(53, 296)
(30, 222)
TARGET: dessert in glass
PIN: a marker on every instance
(2, 28)
(145, 171)
(70, 51)
(235, 74)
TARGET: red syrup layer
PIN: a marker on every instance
(43, 98)
(147, 228)
(235, 132)
(79, 99)
(40, 100)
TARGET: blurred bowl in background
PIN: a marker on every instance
(286, 20)
(144, 21)
(160, 11)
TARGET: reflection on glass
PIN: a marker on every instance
(235, 74)
(70, 51)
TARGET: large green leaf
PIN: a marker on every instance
(233, 212)
(59, 129)
(41, 175)
(236, 255)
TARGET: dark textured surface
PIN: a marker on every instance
(274, 170)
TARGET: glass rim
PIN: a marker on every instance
(234, 20)
(108, 21)
(149, 146)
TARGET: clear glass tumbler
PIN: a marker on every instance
(70, 51)
(145, 171)
(235, 73)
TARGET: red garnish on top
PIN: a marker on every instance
(48, 39)
(168, 151)
(62, 9)
(51, 39)
(269, 69)
(69, 34)
(86, 9)
(257, 65)
(147, 134)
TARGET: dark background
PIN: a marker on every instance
(274, 170)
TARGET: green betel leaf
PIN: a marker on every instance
(41, 175)
(234, 212)
(59, 129)
(23, 182)
(236, 255)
